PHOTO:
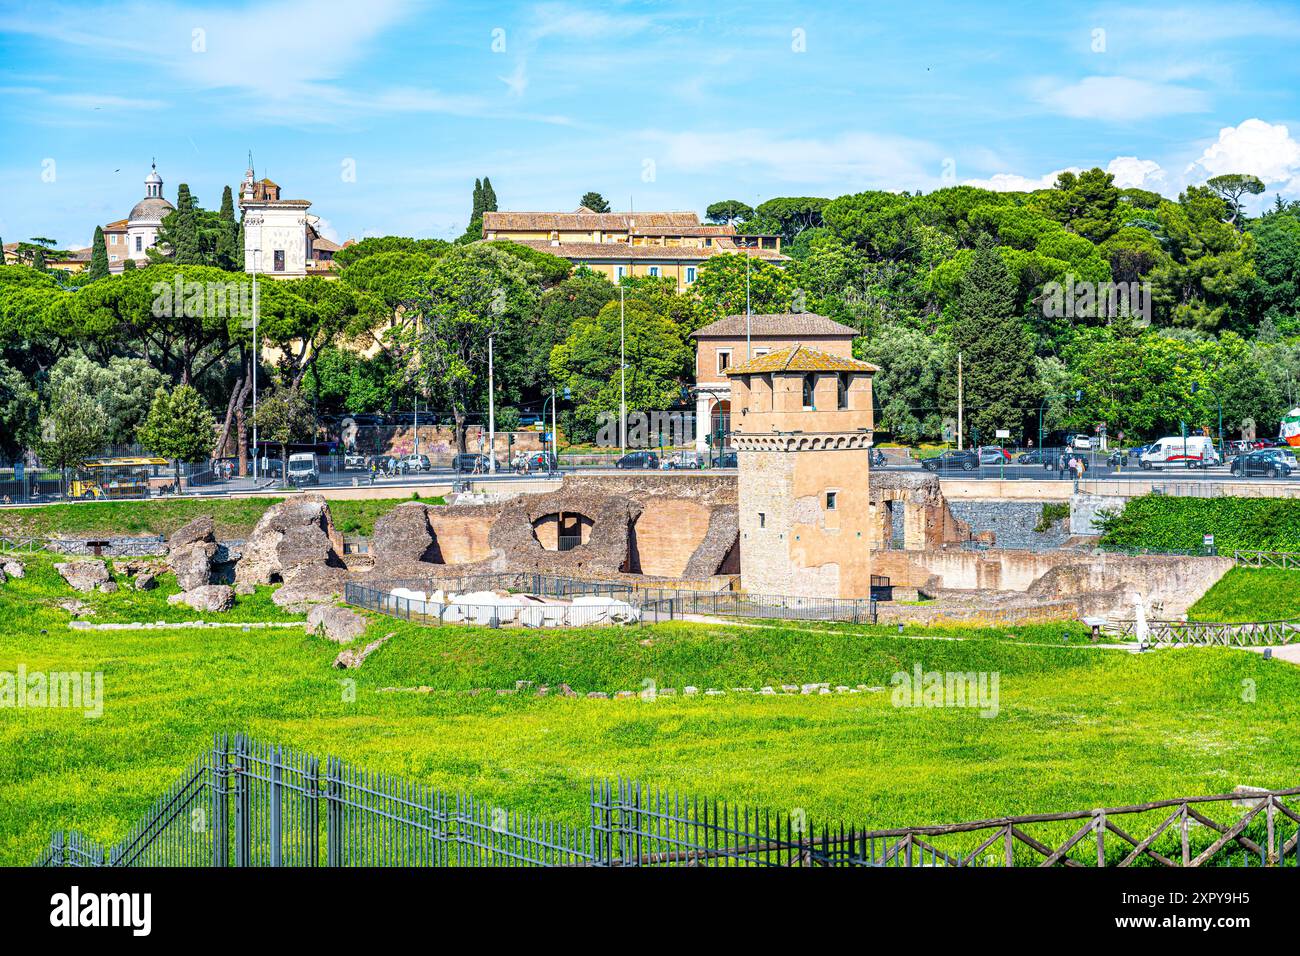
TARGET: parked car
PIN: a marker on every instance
(726, 459)
(1080, 442)
(471, 464)
(412, 464)
(638, 459)
(1268, 463)
(1039, 456)
(952, 460)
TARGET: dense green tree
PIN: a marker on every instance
(658, 362)
(179, 426)
(123, 388)
(907, 389)
(473, 292)
(1084, 203)
(98, 268)
(995, 346)
(729, 211)
(20, 411)
(72, 429)
(228, 248)
(284, 416)
(721, 283)
(593, 201)
(1231, 187)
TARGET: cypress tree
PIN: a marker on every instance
(489, 197)
(997, 354)
(228, 239)
(98, 256)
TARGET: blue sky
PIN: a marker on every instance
(383, 112)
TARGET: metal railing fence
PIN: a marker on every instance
(246, 803)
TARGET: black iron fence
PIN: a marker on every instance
(245, 803)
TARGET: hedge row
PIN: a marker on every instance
(1161, 523)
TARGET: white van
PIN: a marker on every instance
(1194, 451)
(302, 468)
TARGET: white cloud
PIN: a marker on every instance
(1262, 149)
(1127, 170)
(1015, 183)
(1131, 172)
(1119, 98)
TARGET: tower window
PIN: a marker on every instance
(842, 390)
(762, 520)
(279, 260)
(810, 391)
(830, 500)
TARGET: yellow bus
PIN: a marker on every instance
(115, 477)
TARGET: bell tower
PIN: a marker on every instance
(803, 429)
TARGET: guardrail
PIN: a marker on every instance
(1206, 634)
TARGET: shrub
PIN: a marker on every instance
(1163, 523)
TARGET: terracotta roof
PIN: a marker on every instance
(118, 226)
(325, 245)
(775, 325)
(585, 220)
(590, 251)
(798, 358)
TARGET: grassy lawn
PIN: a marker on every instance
(234, 517)
(1250, 594)
(1077, 727)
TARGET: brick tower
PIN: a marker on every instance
(802, 428)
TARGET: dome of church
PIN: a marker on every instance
(149, 210)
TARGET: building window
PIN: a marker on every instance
(830, 500)
(758, 352)
(842, 390)
(690, 274)
(279, 260)
(619, 271)
(112, 258)
(810, 392)
(762, 520)
(138, 241)
(724, 360)
(654, 272)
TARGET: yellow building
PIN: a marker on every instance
(617, 244)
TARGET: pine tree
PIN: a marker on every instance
(38, 260)
(228, 238)
(98, 256)
(594, 201)
(997, 354)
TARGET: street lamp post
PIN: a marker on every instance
(555, 435)
(747, 244)
(257, 256)
(622, 375)
(492, 417)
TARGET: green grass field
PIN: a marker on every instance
(1077, 727)
(1251, 594)
(234, 517)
